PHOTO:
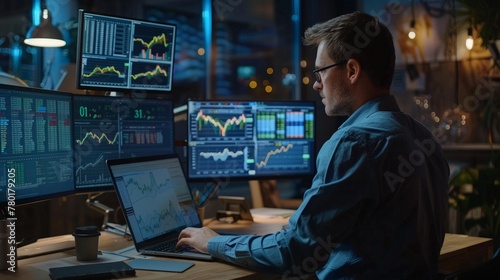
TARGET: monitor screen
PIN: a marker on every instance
(117, 127)
(35, 145)
(120, 54)
(250, 139)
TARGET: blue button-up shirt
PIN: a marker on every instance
(376, 208)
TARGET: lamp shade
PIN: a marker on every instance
(45, 34)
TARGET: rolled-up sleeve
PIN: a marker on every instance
(256, 252)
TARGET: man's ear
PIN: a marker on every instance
(353, 70)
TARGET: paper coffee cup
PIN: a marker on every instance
(86, 242)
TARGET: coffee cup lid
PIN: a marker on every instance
(86, 231)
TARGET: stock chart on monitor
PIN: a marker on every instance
(250, 138)
(35, 145)
(117, 53)
(117, 127)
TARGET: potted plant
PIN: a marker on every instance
(478, 188)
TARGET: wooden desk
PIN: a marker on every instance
(458, 252)
(461, 252)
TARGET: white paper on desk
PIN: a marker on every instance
(71, 261)
(266, 212)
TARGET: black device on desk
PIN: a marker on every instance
(235, 208)
(111, 270)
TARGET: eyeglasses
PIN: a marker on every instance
(317, 71)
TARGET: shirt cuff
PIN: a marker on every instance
(217, 246)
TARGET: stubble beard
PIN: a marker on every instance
(342, 103)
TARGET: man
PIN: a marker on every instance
(376, 207)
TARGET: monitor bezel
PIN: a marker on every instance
(63, 193)
(226, 178)
(127, 90)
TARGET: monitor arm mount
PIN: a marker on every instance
(93, 203)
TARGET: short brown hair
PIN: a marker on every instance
(362, 37)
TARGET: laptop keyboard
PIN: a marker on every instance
(170, 247)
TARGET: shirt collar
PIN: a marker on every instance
(383, 103)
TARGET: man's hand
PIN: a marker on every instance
(196, 238)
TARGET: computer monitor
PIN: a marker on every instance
(250, 139)
(35, 145)
(122, 54)
(108, 127)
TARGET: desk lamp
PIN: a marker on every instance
(45, 34)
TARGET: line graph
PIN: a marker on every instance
(153, 190)
(99, 137)
(233, 159)
(150, 74)
(109, 71)
(282, 149)
(146, 186)
(152, 43)
(235, 124)
(283, 156)
(104, 70)
(222, 156)
(161, 39)
(99, 161)
(91, 169)
(157, 71)
(158, 222)
(147, 52)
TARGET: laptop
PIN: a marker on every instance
(157, 203)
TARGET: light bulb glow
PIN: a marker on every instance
(412, 34)
(469, 43)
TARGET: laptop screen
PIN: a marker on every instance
(154, 194)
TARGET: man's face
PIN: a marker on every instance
(333, 85)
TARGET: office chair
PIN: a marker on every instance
(489, 270)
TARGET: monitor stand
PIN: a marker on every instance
(114, 93)
(93, 203)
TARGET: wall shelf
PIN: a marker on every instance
(473, 154)
(471, 147)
